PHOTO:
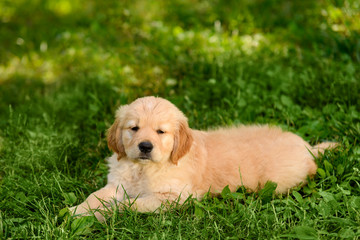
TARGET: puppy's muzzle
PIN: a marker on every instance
(145, 147)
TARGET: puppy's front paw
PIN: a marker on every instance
(79, 211)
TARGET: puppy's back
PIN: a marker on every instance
(253, 155)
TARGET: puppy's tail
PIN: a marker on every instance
(321, 147)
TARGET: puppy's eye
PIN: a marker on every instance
(160, 131)
(135, 129)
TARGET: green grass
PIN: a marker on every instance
(65, 66)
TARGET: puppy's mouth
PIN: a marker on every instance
(144, 156)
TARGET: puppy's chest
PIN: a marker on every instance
(136, 178)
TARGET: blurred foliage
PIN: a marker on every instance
(144, 40)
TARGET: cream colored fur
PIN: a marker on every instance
(185, 162)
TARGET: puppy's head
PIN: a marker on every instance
(150, 130)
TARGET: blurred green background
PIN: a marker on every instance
(153, 45)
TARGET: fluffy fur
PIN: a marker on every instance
(184, 162)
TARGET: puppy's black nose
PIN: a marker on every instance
(145, 147)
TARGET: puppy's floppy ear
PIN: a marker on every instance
(182, 142)
(114, 137)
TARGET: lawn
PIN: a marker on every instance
(67, 65)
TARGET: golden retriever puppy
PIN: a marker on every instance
(158, 159)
